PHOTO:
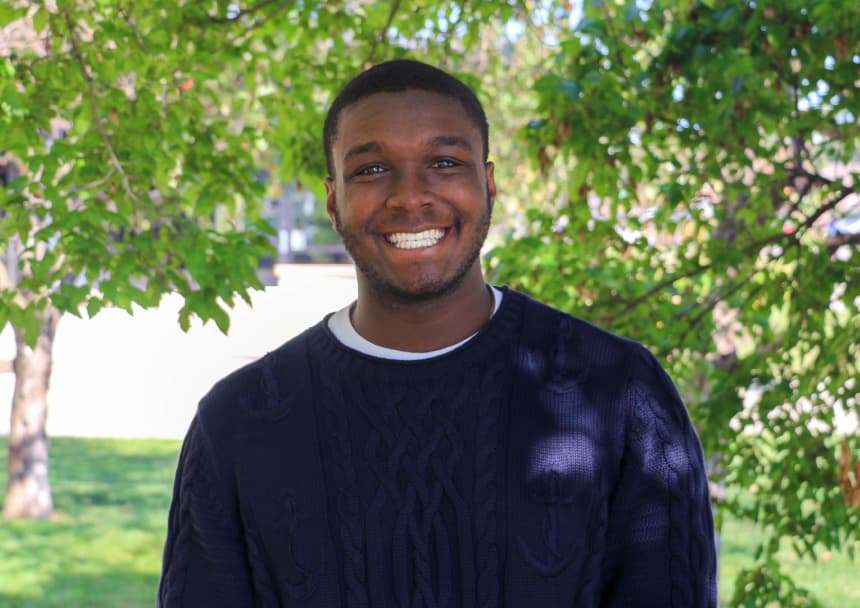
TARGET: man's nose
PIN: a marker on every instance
(410, 189)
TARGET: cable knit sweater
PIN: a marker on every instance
(543, 463)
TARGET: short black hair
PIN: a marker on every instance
(399, 76)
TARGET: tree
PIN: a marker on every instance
(688, 158)
(707, 146)
(134, 132)
(129, 187)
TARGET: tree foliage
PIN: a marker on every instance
(133, 135)
(138, 128)
(707, 149)
(675, 185)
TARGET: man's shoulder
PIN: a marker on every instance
(264, 390)
(558, 328)
(575, 349)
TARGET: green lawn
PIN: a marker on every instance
(103, 549)
(833, 578)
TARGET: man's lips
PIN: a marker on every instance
(416, 240)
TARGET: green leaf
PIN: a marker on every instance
(222, 319)
(40, 20)
(7, 68)
(184, 320)
(571, 89)
(10, 12)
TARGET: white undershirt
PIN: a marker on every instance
(341, 326)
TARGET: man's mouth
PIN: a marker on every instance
(415, 240)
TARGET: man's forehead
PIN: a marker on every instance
(412, 110)
(438, 141)
(411, 98)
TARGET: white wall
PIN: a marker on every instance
(141, 376)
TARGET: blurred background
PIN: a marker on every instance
(682, 173)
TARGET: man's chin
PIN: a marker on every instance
(414, 289)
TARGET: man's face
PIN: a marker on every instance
(411, 195)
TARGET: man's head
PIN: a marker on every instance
(399, 76)
(410, 191)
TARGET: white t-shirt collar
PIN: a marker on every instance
(341, 326)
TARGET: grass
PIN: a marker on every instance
(833, 578)
(103, 547)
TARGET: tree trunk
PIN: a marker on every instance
(28, 490)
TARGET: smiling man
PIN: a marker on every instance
(439, 442)
(411, 193)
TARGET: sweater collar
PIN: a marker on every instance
(502, 328)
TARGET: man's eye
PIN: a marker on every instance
(444, 163)
(370, 170)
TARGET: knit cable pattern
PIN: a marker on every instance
(402, 442)
(486, 467)
(690, 532)
(445, 467)
(334, 414)
(417, 480)
(177, 553)
(204, 520)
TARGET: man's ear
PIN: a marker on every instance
(489, 168)
(330, 201)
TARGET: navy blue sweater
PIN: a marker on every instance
(543, 463)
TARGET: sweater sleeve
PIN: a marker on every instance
(205, 562)
(661, 549)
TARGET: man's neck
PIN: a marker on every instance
(423, 325)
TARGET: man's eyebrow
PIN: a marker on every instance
(371, 146)
(434, 142)
(451, 140)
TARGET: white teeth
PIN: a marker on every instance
(414, 240)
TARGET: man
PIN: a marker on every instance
(439, 442)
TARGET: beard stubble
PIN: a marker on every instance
(422, 288)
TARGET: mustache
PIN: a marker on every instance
(406, 221)
(409, 222)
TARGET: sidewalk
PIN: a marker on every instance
(141, 376)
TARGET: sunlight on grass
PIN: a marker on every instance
(833, 578)
(103, 547)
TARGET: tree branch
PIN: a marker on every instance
(836, 241)
(91, 95)
(257, 23)
(371, 57)
(797, 170)
(752, 247)
(91, 185)
(210, 20)
(714, 298)
(130, 20)
(828, 206)
(631, 304)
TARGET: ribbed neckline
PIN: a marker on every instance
(490, 339)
